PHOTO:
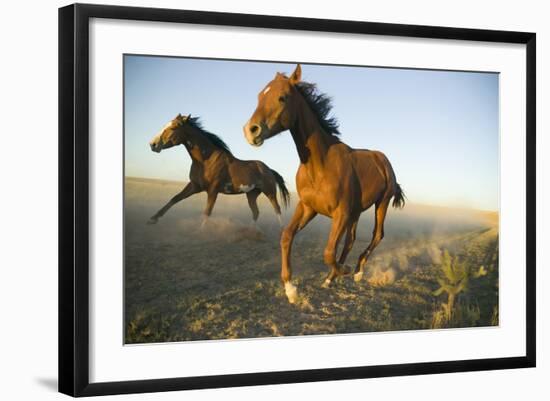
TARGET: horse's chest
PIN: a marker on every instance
(196, 174)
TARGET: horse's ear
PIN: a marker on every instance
(186, 118)
(180, 119)
(296, 75)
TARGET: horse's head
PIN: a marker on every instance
(172, 134)
(275, 112)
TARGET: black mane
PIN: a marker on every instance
(213, 138)
(321, 105)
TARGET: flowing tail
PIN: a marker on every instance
(283, 191)
(398, 197)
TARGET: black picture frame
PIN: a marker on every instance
(74, 198)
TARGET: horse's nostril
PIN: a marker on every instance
(254, 129)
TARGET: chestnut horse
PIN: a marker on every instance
(333, 179)
(215, 170)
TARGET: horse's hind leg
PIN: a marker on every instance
(273, 199)
(189, 190)
(252, 196)
(377, 235)
(302, 216)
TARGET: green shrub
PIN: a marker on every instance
(455, 276)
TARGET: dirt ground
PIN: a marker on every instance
(183, 283)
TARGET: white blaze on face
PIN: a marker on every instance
(266, 90)
(156, 138)
(246, 188)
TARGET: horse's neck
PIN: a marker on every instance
(199, 148)
(212, 159)
(312, 142)
(195, 153)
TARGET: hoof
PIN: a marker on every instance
(346, 270)
(326, 283)
(357, 277)
(152, 220)
(291, 292)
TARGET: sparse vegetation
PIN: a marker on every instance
(182, 284)
(456, 275)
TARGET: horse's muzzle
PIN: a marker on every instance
(253, 134)
(155, 147)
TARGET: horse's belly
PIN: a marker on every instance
(230, 188)
(366, 203)
(244, 177)
(326, 203)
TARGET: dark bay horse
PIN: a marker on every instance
(333, 179)
(215, 170)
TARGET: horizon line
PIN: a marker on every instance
(173, 181)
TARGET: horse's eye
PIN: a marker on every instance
(282, 99)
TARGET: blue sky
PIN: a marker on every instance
(439, 129)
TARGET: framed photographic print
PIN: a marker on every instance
(250, 199)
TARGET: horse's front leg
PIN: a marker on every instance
(252, 196)
(302, 216)
(189, 190)
(340, 224)
(349, 241)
